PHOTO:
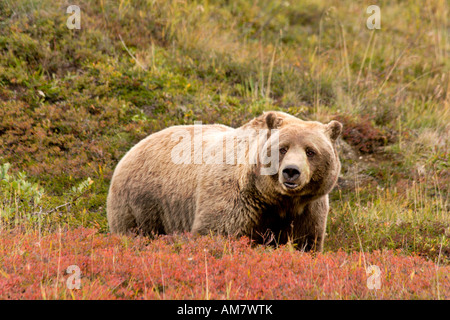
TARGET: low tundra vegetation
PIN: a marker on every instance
(73, 101)
(37, 266)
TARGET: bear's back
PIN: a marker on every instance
(149, 183)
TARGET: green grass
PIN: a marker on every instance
(72, 102)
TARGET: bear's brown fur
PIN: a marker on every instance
(154, 190)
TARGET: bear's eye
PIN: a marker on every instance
(283, 150)
(310, 153)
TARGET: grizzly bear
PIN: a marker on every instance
(268, 180)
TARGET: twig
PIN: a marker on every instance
(437, 270)
(365, 56)
(131, 55)
(62, 205)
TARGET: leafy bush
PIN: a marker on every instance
(23, 203)
(20, 199)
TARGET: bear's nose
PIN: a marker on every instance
(291, 173)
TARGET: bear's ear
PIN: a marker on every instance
(270, 120)
(334, 130)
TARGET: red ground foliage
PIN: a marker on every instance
(189, 267)
(363, 135)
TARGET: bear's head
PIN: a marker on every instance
(308, 164)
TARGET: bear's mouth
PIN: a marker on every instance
(290, 185)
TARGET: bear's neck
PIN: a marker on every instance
(268, 219)
(262, 201)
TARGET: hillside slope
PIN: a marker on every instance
(73, 101)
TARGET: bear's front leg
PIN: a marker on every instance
(221, 218)
(219, 207)
(309, 227)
